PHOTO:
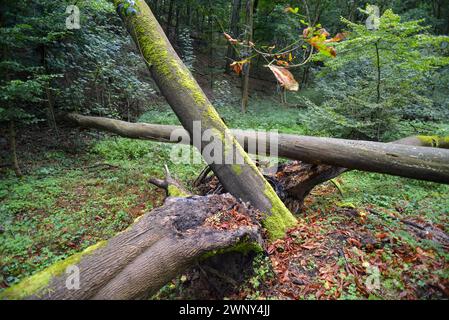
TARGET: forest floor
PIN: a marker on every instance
(379, 237)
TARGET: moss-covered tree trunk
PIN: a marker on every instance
(191, 105)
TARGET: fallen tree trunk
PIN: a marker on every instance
(408, 161)
(137, 262)
(197, 115)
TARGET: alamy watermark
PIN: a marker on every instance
(221, 148)
(72, 281)
(372, 282)
(72, 22)
(373, 21)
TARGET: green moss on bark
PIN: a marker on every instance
(169, 69)
(38, 282)
(242, 247)
(237, 169)
(176, 192)
(280, 219)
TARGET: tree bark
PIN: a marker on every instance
(378, 72)
(247, 66)
(169, 18)
(137, 262)
(192, 107)
(177, 22)
(211, 46)
(406, 157)
(156, 7)
(292, 181)
(13, 146)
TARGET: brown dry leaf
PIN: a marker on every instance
(382, 235)
(324, 32)
(423, 253)
(310, 246)
(282, 63)
(230, 39)
(319, 39)
(285, 277)
(355, 242)
(338, 37)
(271, 249)
(237, 66)
(306, 32)
(285, 78)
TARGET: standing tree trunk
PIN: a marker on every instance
(169, 18)
(378, 72)
(247, 66)
(156, 7)
(12, 142)
(197, 115)
(48, 95)
(256, 6)
(177, 21)
(235, 30)
(211, 46)
(188, 17)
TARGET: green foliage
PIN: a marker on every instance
(185, 43)
(100, 67)
(52, 214)
(276, 28)
(122, 149)
(106, 70)
(263, 272)
(65, 205)
(262, 114)
(378, 79)
(23, 80)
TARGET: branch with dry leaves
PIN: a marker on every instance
(313, 40)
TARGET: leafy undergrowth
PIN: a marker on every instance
(260, 116)
(66, 202)
(349, 246)
(79, 188)
(381, 250)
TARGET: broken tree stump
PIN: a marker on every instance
(137, 262)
